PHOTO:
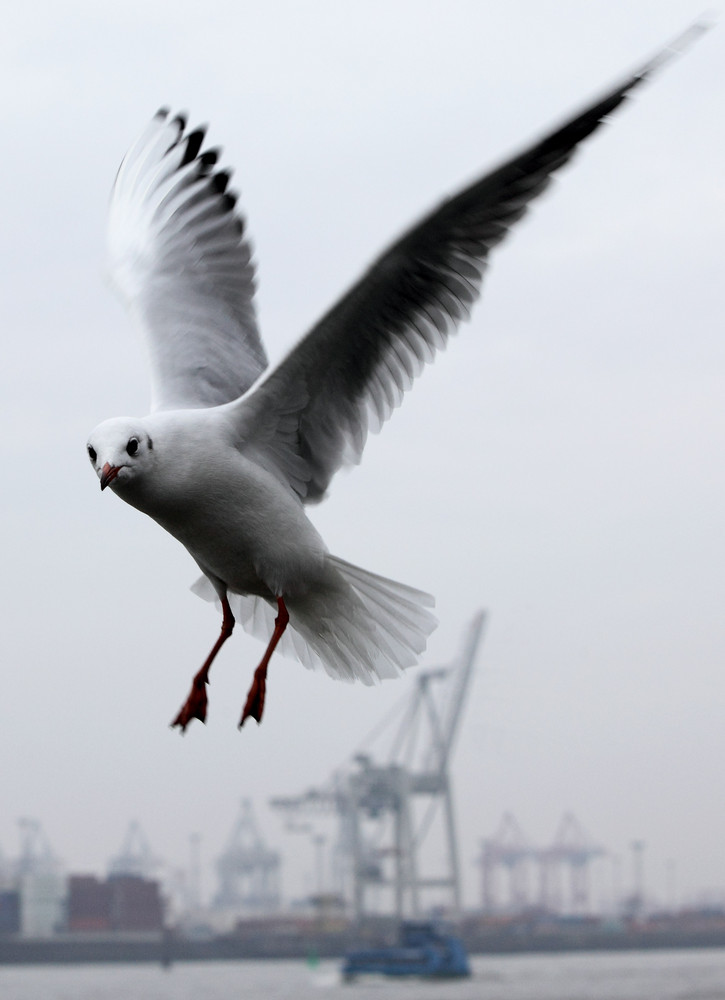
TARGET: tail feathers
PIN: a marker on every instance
(396, 615)
(356, 625)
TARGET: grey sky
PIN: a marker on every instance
(560, 465)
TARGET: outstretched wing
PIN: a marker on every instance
(179, 256)
(313, 412)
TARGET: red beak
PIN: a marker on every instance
(108, 474)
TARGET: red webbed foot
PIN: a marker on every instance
(254, 705)
(194, 707)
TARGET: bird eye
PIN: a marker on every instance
(132, 446)
(92, 453)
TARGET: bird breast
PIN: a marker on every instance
(243, 526)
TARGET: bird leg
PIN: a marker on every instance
(195, 705)
(254, 705)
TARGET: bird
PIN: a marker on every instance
(233, 450)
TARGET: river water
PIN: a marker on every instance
(653, 975)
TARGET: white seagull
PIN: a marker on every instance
(233, 451)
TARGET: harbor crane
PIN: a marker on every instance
(248, 871)
(135, 856)
(509, 852)
(386, 810)
(36, 855)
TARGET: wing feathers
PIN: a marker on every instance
(359, 360)
(180, 258)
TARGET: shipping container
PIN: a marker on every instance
(89, 904)
(135, 904)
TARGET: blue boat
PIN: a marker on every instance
(425, 949)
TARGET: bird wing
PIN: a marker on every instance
(312, 413)
(182, 262)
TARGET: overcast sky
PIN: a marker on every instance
(560, 465)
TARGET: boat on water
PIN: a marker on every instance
(425, 949)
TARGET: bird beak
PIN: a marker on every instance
(108, 474)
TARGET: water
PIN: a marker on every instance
(658, 975)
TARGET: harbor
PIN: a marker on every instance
(368, 827)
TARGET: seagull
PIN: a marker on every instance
(232, 450)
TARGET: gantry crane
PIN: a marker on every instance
(378, 806)
(248, 871)
(36, 855)
(135, 857)
(510, 852)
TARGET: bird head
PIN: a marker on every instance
(120, 451)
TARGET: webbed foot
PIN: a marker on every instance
(194, 707)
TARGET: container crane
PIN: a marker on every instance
(135, 856)
(248, 871)
(380, 829)
(510, 852)
(36, 855)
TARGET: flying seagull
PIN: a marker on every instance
(232, 451)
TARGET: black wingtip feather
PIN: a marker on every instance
(220, 180)
(193, 145)
(229, 201)
(209, 157)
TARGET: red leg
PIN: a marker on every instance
(195, 705)
(254, 705)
